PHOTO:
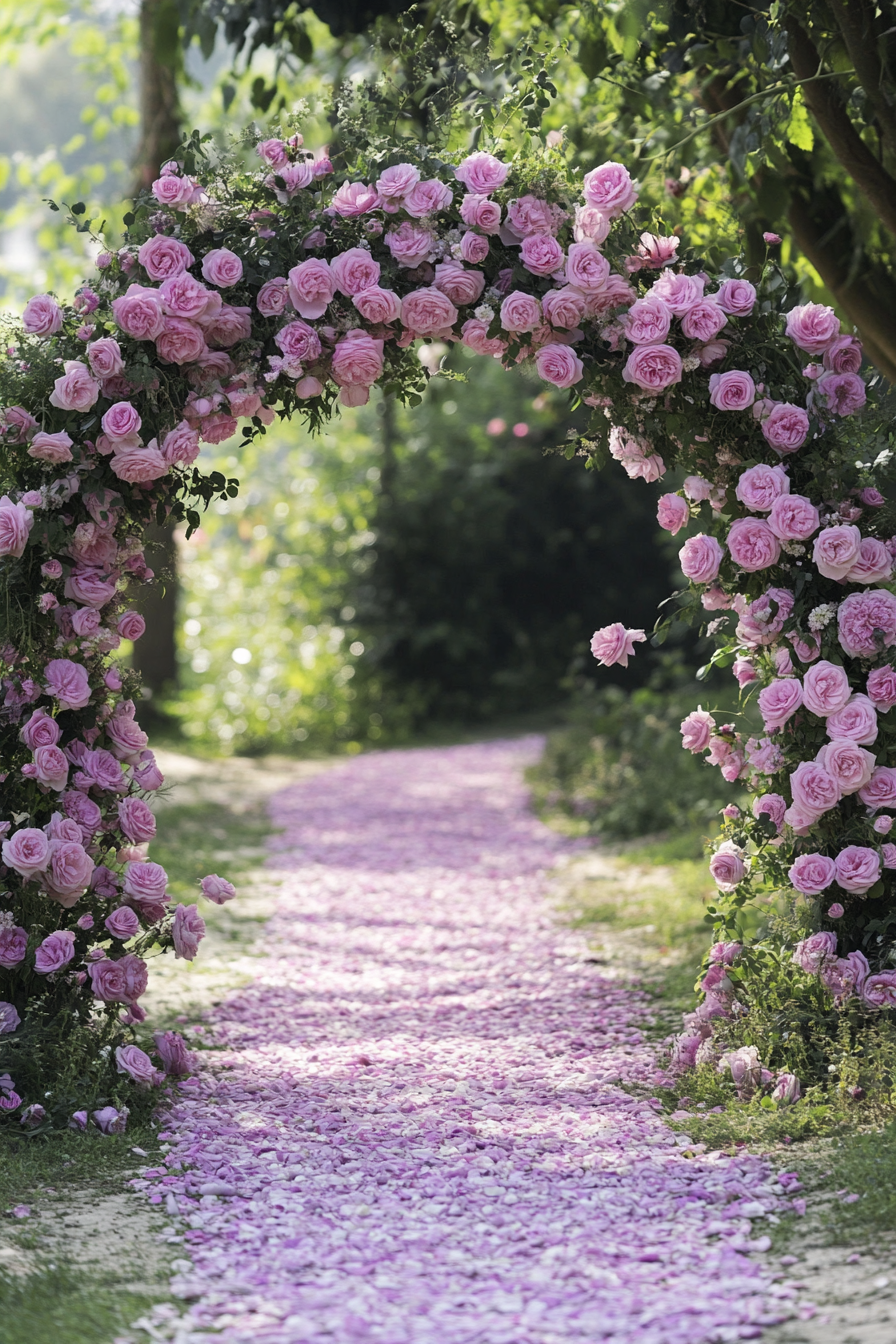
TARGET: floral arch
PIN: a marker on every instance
(239, 296)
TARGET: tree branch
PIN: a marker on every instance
(857, 25)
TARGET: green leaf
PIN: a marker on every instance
(799, 128)
(79, 208)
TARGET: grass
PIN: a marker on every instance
(56, 1305)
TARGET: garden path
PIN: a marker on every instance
(415, 1126)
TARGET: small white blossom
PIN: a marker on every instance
(822, 616)
(690, 363)
(456, 252)
(484, 313)
(793, 548)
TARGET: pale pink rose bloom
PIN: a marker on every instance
(736, 297)
(309, 387)
(27, 851)
(354, 271)
(56, 951)
(871, 498)
(136, 1063)
(180, 444)
(51, 767)
(793, 518)
(478, 212)
(136, 820)
(171, 189)
(656, 250)
(879, 991)
(744, 671)
(857, 868)
(520, 312)
(753, 545)
(563, 307)
(181, 342)
(354, 198)
(76, 390)
(9, 1018)
(462, 286)
(121, 420)
(648, 469)
(137, 466)
(697, 488)
(779, 701)
(653, 368)
(17, 423)
(218, 428)
(615, 644)
(849, 763)
(410, 244)
(42, 316)
(587, 268)
(139, 313)
(786, 427)
(51, 447)
(274, 152)
(679, 291)
(835, 911)
(481, 173)
(813, 327)
(696, 730)
(16, 522)
(703, 321)
(889, 855)
(427, 311)
(311, 287)
(814, 789)
(68, 873)
(188, 930)
(40, 731)
(700, 558)
(397, 181)
(609, 189)
(474, 248)
(217, 889)
(379, 306)
(530, 215)
(474, 335)
(787, 1089)
(647, 322)
(836, 550)
(273, 297)
(732, 391)
(727, 867)
(881, 688)
(90, 587)
(771, 805)
(843, 355)
(162, 257)
(812, 953)
(145, 888)
(715, 599)
(104, 357)
(428, 198)
(842, 393)
(354, 394)
(131, 625)
(541, 254)
(591, 224)
(759, 487)
(672, 513)
(826, 688)
(299, 341)
(182, 296)
(357, 360)
(67, 683)
(866, 621)
(857, 720)
(222, 268)
(559, 365)
(874, 564)
(799, 820)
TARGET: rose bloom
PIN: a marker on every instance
(136, 820)
(354, 271)
(42, 316)
(188, 931)
(299, 341)
(871, 498)
(182, 342)
(481, 173)
(615, 644)
(857, 720)
(529, 215)
(727, 867)
(814, 790)
(183, 296)
(732, 391)
(428, 198)
(51, 768)
(703, 321)
(881, 688)
(836, 550)
(474, 335)
(397, 181)
(76, 390)
(353, 199)
(121, 420)
(217, 889)
(752, 544)
(410, 244)
(478, 212)
(357, 360)
(696, 730)
(54, 952)
(857, 868)
(609, 189)
(587, 268)
(559, 365)
(653, 368)
(563, 307)
(842, 393)
(173, 190)
(162, 257)
(879, 991)
(139, 465)
(145, 888)
(812, 953)
(136, 1063)
(67, 683)
(844, 355)
(427, 311)
(813, 327)
(736, 297)
(826, 688)
(138, 313)
(849, 763)
(378, 306)
(647, 322)
(177, 1060)
(793, 518)
(771, 805)
(700, 558)
(122, 923)
(51, 447)
(874, 564)
(40, 731)
(541, 254)
(679, 291)
(69, 872)
(759, 487)
(786, 427)
(15, 525)
(880, 791)
(779, 701)
(520, 312)
(104, 357)
(459, 284)
(672, 513)
(13, 946)
(866, 622)
(474, 248)
(222, 268)
(311, 287)
(273, 297)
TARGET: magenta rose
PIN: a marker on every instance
(700, 558)
(76, 390)
(647, 322)
(428, 198)
(586, 268)
(136, 1063)
(703, 321)
(609, 189)
(881, 688)
(222, 268)
(427, 311)
(856, 720)
(108, 1120)
(104, 357)
(849, 763)
(55, 952)
(378, 306)
(162, 257)
(300, 342)
(217, 889)
(478, 212)
(736, 297)
(615, 644)
(867, 622)
(793, 518)
(9, 1018)
(139, 314)
(732, 391)
(813, 327)
(779, 701)
(559, 365)
(13, 946)
(357, 360)
(814, 790)
(653, 368)
(481, 173)
(836, 550)
(785, 427)
(727, 867)
(826, 688)
(42, 316)
(752, 544)
(410, 244)
(672, 513)
(108, 980)
(67, 683)
(177, 1060)
(311, 287)
(696, 730)
(122, 923)
(354, 271)
(16, 522)
(813, 952)
(188, 930)
(857, 868)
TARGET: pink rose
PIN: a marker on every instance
(126, 735)
(311, 287)
(108, 1120)
(147, 774)
(222, 268)
(871, 498)
(51, 447)
(42, 316)
(353, 199)
(474, 248)
(587, 268)
(478, 212)
(786, 427)
(428, 198)
(481, 173)
(474, 335)
(703, 321)
(813, 327)
(145, 888)
(180, 444)
(836, 550)
(122, 923)
(591, 224)
(54, 952)
(397, 181)
(672, 513)
(697, 489)
(609, 189)
(793, 518)
(867, 622)
(40, 731)
(230, 324)
(69, 872)
(177, 1060)
(188, 931)
(378, 306)
(696, 729)
(51, 768)
(520, 312)
(104, 357)
(174, 190)
(217, 889)
(541, 254)
(700, 558)
(354, 271)
(857, 868)
(842, 393)
(528, 216)
(162, 257)
(410, 244)
(16, 424)
(653, 368)
(879, 991)
(779, 701)
(181, 342)
(273, 297)
(752, 544)
(427, 311)
(460, 285)
(736, 297)
(727, 867)
(679, 291)
(771, 805)
(850, 764)
(67, 683)
(826, 688)
(559, 365)
(16, 522)
(76, 390)
(615, 644)
(136, 1063)
(814, 790)
(121, 420)
(881, 688)
(13, 946)
(844, 355)
(813, 952)
(759, 487)
(647, 322)
(183, 296)
(139, 314)
(563, 307)
(108, 980)
(856, 720)
(744, 671)
(357, 360)
(732, 391)
(874, 564)
(139, 465)
(84, 811)
(299, 342)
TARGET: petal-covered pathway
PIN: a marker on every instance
(414, 1133)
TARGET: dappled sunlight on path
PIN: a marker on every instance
(413, 1131)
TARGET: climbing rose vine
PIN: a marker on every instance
(285, 288)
